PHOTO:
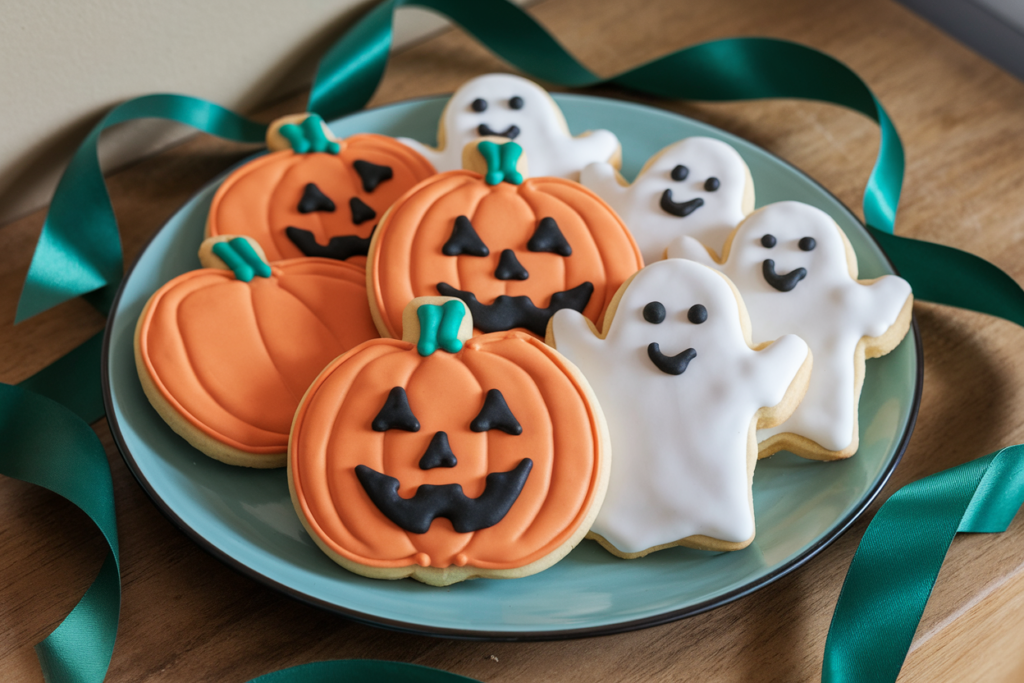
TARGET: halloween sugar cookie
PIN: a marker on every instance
(797, 274)
(444, 457)
(698, 186)
(682, 390)
(313, 195)
(516, 109)
(514, 250)
(225, 353)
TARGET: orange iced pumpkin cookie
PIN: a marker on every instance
(514, 250)
(225, 353)
(445, 457)
(324, 201)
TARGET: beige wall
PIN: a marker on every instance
(64, 62)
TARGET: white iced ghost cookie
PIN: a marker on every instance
(797, 274)
(698, 186)
(682, 391)
(520, 110)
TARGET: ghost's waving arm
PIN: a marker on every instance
(878, 303)
(574, 336)
(599, 145)
(688, 248)
(603, 179)
(780, 372)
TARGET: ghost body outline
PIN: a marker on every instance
(683, 445)
(844, 320)
(540, 128)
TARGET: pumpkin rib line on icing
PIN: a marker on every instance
(263, 338)
(313, 313)
(267, 199)
(473, 220)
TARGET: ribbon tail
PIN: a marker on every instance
(361, 670)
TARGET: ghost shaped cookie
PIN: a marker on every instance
(514, 249)
(517, 109)
(682, 390)
(698, 186)
(797, 274)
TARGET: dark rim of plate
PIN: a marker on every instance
(838, 529)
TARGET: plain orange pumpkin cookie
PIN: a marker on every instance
(315, 203)
(514, 250)
(225, 355)
(444, 457)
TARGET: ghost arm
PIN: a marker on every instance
(781, 371)
(603, 144)
(605, 181)
(687, 247)
(883, 308)
(574, 336)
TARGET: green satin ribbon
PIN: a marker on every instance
(360, 671)
(79, 253)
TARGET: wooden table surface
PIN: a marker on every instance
(188, 617)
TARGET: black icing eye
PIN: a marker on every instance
(464, 240)
(516, 102)
(496, 415)
(313, 199)
(654, 312)
(547, 237)
(396, 414)
(807, 244)
(680, 172)
(479, 105)
(768, 241)
(697, 314)
(712, 184)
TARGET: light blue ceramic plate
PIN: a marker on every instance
(245, 517)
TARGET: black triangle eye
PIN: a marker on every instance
(313, 199)
(464, 240)
(396, 414)
(360, 211)
(549, 238)
(496, 415)
(372, 175)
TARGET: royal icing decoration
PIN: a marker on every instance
(323, 201)
(681, 389)
(225, 354)
(514, 250)
(445, 457)
(798, 274)
(517, 109)
(699, 187)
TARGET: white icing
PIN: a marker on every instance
(639, 204)
(679, 442)
(550, 149)
(828, 308)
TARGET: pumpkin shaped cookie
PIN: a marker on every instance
(225, 353)
(324, 201)
(444, 457)
(514, 250)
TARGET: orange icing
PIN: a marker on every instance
(332, 435)
(234, 358)
(261, 198)
(408, 262)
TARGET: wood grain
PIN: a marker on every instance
(186, 616)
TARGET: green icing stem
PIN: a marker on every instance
(242, 270)
(312, 126)
(491, 154)
(451, 319)
(510, 153)
(293, 134)
(244, 249)
(430, 320)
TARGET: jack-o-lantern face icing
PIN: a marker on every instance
(484, 457)
(317, 203)
(226, 356)
(514, 252)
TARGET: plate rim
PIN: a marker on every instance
(808, 554)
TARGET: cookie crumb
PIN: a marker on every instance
(494, 658)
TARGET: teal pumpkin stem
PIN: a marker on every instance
(510, 153)
(242, 259)
(439, 327)
(492, 156)
(501, 162)
(308, 136)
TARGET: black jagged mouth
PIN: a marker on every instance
(340, 248)
(670, 365)
(680, 209)
(466, 514)
(512, 132)
(509, 312)
(783, 283)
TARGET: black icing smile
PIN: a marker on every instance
(340, 248)
(430, 502)
(670, 365)
(681, 209)
(783, 283)
(512, 132)
(508, 312)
